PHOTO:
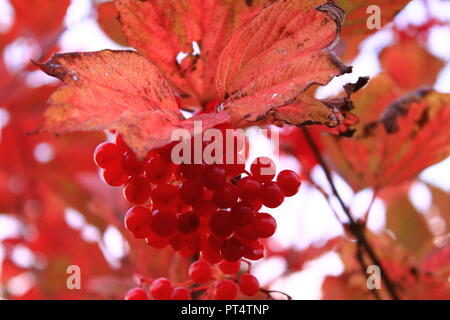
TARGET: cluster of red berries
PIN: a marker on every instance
(204, 281)
(211, 209)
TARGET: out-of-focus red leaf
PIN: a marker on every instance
(161, 30)
(410, 65)
(355, 28)
(437, 261)
(408, 225)
(108, 19)
(269, 61)
(118, 90)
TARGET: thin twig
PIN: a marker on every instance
(354, 227)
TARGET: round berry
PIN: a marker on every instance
(136, 294)
(242, 214)
(130, 163)
(157, 241)
(271, 194)
(232, 249)
(254, 251)
(164, 197)
(204, 208)
(289, 182)
(138, 221)
(161, 289)
(188, 222)
(114, 177)
(263, 169)
(214, 177)
(163, 223)
(180, 293)
(200, 272)
(157, 170)
(225, 290)
(264, 225)
(221, 224)
(249, 285)
(225, 197)
(248, 188)
(191, 191)
(137, 190)
(228, 267)
(107, 155)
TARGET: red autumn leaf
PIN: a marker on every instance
(407, 57)
(108, 20)
(355, 28)
(269, 61)
(395, 142)
(118, 90)
(161, 30)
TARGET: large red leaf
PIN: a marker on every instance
(118, 90)
(108, 20)
(161, 30)
(277, 55)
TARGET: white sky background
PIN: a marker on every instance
(303, 219)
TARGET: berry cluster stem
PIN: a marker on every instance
(354, 227)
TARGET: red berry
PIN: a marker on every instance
(214, 177)
(161, 289)
(163, 223)
(136, 294)
(192, 171)
(204, 208)
(264, 225)
(228, 267)
(242, 214)
(157, 170)
(289, 182)
(249, 285)
(271, 194)
(191, 191)
(225, 197)
(164, 197)
(114, 177)
(138, 221)
(180, 293)
(200, 272)
(236, 168)
(221, 224)
(225, 290)
(232, 249)
(188, 222)
(107, 155)
(263, 169)
(157, 241)
(248, 188)
(178, 242)
(137, 190)
(130, 163)
(254, 251)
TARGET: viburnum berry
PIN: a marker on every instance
(264, 225)
(136, 294)
(214, 177)
(225, 290)
(138, 221)
(137, 190)
(130, 164)
(289, 182)
(157, 241)
(188, 222)
(263, 169)
(221, 224)
(157, 170)
(163, 223)
(180, 293)
(248, 188)
(191, 191)
(242, 214)
(225, 197)
(271, 194)
(249, 285)
(164, 197)
(228, 267)
(200, 272)
(114, 177)
(232, 249)
(254, 251)
(108, 155)
(191, 171)
(161, 289)
(204, 208)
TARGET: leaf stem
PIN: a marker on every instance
(354, 227)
